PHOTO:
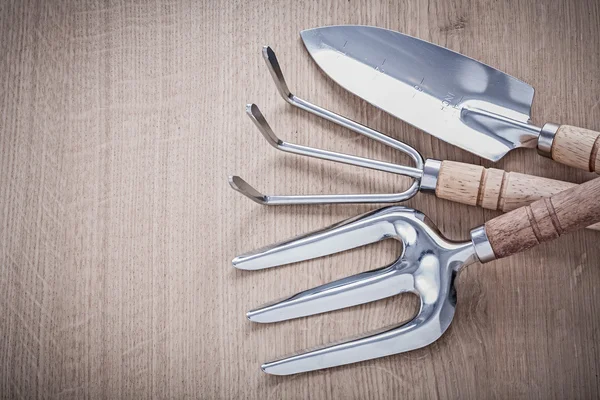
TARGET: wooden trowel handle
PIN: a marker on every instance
(545, 219)
(494, 189)
(577, 147)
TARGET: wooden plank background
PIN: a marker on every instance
(120, 122)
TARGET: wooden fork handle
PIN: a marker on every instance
(577, 147)
(493, 188)
(545, 219)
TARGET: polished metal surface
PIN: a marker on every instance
(240, 185)
(427, 267)
(451, 96)
(546, 139)
(246, 189)
(431, 171)
(482, 245)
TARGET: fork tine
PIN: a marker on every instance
(388, 341)
(354, 232)
(351, 291)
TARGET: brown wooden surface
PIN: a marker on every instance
(120, 122)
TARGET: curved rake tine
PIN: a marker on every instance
(263, 126)
(275, 70)
(240, 185)
(243, 187)
(355, 232)
(347, 292)
(284, 91)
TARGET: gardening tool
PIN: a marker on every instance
(428, 267)
(448, 95)
(474, 185)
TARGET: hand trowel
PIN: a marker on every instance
(446, 94)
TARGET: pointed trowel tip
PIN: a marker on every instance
(309, 31)
(315, 38)
(306, 33)
(308, 37)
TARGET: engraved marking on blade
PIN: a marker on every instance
(377, 68)
(418, 87)
(448, 100)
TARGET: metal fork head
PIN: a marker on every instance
(427, 267)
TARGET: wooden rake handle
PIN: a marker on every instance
(545, 219)
(494, 189)
(577, 147)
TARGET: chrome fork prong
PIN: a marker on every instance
(392, 340)
(347, 292)
(355, 232)
(433, 283)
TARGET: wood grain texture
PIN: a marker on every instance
(463, 183)
(577, 147)
(545, 219)
(119, 124)
(494, 189)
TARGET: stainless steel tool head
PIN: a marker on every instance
(453, 97)
(422, 176)
(427, 267)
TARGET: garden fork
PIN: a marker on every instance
(428, 267)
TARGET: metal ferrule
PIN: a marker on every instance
(431, 170)
(483, 248)
(546, 138)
